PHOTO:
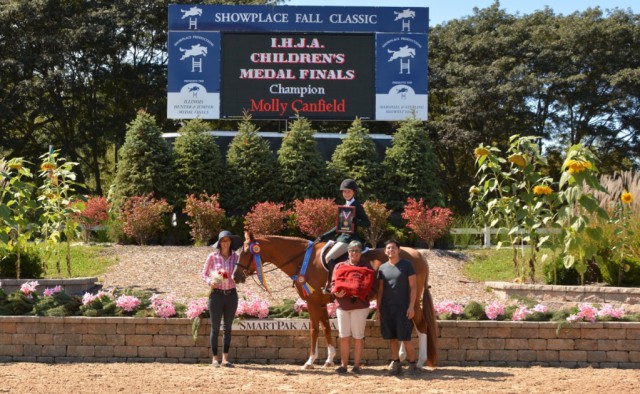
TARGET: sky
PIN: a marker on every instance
(443, 11)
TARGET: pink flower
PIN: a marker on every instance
(448, 307)
(494, 310)
(127, 302)
(163, 307)
(300, 305)
(29, 287)
(520, 313)
(49, 291)
(196, 307)
(88, 298)
(586, 312)
(540, 308)
(608, 310)
(373, 304)
(253, 305)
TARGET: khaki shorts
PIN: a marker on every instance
(352, 323)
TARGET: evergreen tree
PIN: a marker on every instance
(253, 174)
(410, 166)
(145, 162)
(356, 158)
(301, 165)
(197, 160)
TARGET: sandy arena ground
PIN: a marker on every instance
(253, 378)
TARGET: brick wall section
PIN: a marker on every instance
(69, 339)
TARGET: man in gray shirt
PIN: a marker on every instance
(396, 302)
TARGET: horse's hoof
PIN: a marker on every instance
(307, 366)
(420, 363)
(329, 364)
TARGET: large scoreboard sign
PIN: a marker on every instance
(329, 63)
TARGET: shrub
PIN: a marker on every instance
(301, 165)
(95, 212)
(266, 218)
(410, 166)
(253, 169)
(145, 162)
(197, 160)
(30, 262)
(143, 217)
(356, 158)
(205, 217)
(315, 216)
(378, 216)
(429, 224)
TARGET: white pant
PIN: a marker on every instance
(352, 323)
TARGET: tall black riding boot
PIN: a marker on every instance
(331, 265)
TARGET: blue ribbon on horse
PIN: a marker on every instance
(254, 248)
(301, 279)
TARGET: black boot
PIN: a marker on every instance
(330, 264)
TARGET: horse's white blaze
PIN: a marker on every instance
(422, 352)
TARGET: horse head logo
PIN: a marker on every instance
(195, 50)
(408, 13)
(193, 11)
(402, 52)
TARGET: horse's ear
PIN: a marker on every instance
(248, 236)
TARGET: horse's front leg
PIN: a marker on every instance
(314, 322)
(326, 329)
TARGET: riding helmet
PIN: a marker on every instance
(349, 184)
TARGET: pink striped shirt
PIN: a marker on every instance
(215, 262)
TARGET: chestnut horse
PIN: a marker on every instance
(288, 254)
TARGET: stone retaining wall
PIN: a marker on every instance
(80, 339)
(69, 285)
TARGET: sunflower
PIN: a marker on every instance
(626, 198)
(577, 166)
(542, 190)
(481, 152)
(518, 160)
(47, 166)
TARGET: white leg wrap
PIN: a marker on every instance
(422, 351)
(331, 353)
(312, 359)
(403, 352)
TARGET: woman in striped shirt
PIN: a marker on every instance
(223, 298)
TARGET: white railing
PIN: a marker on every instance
(487, 232)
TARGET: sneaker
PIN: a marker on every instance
(227, 364)
(356, 370)
(395, 369)
(341, 370)
(215, 364)
(412, 370)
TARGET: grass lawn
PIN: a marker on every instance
(86, 261)
(495, 265)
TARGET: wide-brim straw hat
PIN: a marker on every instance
(236, 241)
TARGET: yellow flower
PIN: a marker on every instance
(474, 190)
(518, 160)
(626, 198)
(577, 166)
(47, 166)
(542, 190)
(15, 166)
(481, 152)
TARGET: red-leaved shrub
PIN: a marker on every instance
(95, 212)
(205, 217)
(429, 224)
(142, 217)
(378, 215)
(315, 216)
(266, 218)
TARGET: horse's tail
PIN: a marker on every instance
(429, 314)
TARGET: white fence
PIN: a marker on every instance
(488, 232)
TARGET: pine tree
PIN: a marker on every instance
(197, 161)
(410, 167)
(252, 170)
(145, 162)
(301, 165)
(356, 158)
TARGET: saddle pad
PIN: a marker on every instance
(355, 281)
